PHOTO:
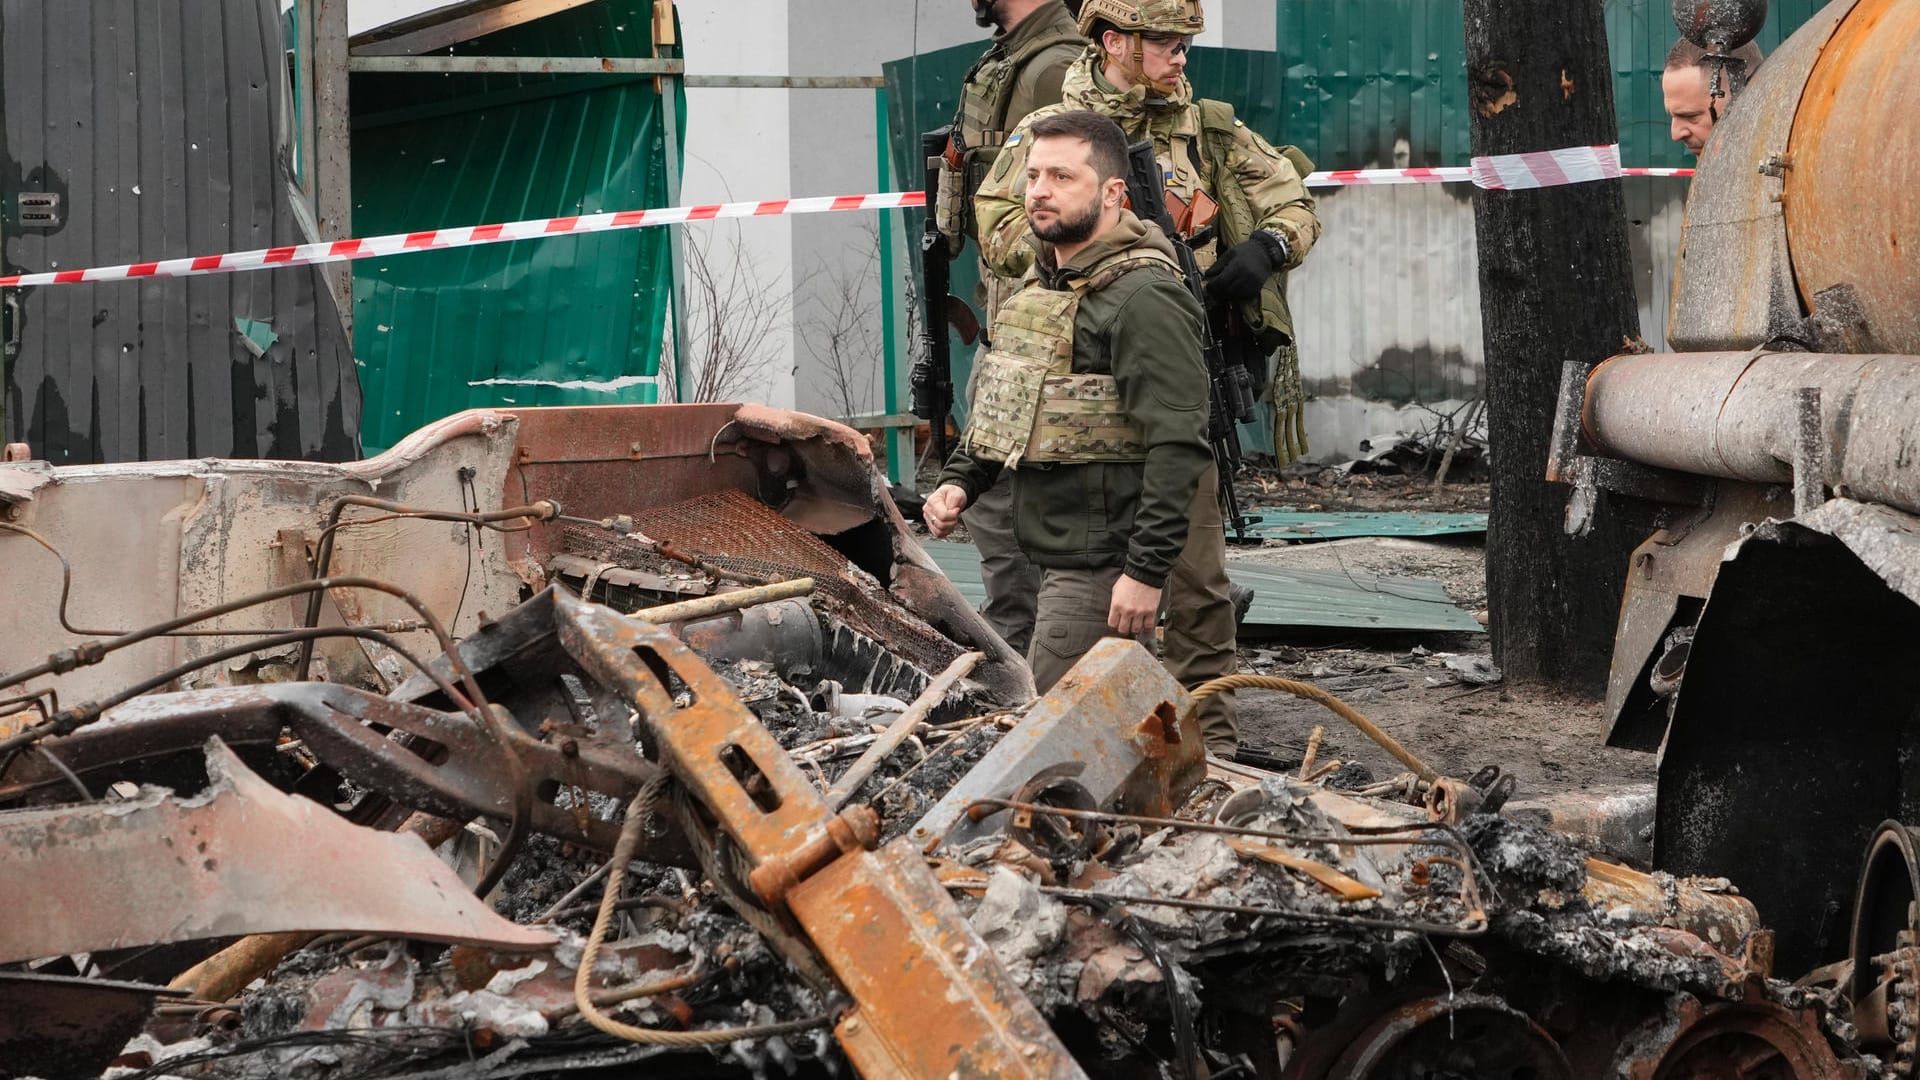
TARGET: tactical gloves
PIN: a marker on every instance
(1239, 274)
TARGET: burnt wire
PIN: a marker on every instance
(483, 714)
(323, 553)
(72, 719)
(61, 767)
(66, 580)
(631, 830)
(92, 652)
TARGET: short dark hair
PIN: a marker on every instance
(1108, 143)
(1686, 54)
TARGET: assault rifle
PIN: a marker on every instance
(931, 383)
(1231, 393)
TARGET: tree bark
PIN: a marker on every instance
(1556, 284)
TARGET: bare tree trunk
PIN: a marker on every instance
(1555, 285)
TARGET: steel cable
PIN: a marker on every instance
(623, 850)
(1313, 693)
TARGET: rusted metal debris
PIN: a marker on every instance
(240, 858)
(1062, 887)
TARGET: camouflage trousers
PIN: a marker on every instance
(1198, 644)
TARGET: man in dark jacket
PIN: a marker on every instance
(1034, 42)
(1095, 396)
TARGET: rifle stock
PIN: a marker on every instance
(1231, 394)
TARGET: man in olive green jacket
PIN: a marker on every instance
(1249, 202)
(1095, 397)
(1034, 41)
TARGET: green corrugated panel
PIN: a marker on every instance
(1305, 525)
(1286, 597)
(432, 151)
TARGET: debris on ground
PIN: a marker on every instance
(734, 789)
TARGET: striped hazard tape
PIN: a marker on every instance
(1510, 172)
(373, 247)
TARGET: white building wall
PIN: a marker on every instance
(738, 144)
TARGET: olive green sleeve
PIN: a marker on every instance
(1277, 191)
(973, 474)
(1155, 345)
(1000, 206)
(1041, 80)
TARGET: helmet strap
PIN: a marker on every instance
(1138, 69)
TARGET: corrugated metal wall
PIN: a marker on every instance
(577, 320)
(161, 125)
(1388, 305)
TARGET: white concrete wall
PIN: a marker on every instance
(738, 145)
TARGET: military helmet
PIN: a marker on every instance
(1149, 16)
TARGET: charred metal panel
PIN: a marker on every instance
(1792, 730)
(161, 127)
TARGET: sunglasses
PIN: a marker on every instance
(1171, 44)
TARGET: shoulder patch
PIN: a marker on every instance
(1237, 122)
(1014, 139)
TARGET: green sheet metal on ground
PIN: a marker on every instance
(1303, 525)
(1286, 598)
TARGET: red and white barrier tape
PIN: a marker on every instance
(1504, 173)
(374, 247)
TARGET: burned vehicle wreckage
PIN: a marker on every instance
(747, 789)
(647, 741)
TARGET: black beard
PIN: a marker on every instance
(984, 14)
(1071, 230)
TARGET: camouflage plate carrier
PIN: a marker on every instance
(1029, 405)
(982, 127)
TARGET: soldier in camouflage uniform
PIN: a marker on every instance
(1094, 398)
(1245, 207)
(1033, 44)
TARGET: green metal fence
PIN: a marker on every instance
(565, 321)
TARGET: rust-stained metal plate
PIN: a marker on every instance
(1668, 579)
(241, 858)
(1117, 724)
(58, 1027)
(716, 746)
(933, 1000)
(1852, 209)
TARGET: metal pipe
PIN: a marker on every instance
(1737, 416)
(719, 603)
(902, 726)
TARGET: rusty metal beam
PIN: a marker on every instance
(240, 858)
(930, 999)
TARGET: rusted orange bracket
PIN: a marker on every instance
(930, 998)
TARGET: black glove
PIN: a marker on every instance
(1239, 274)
